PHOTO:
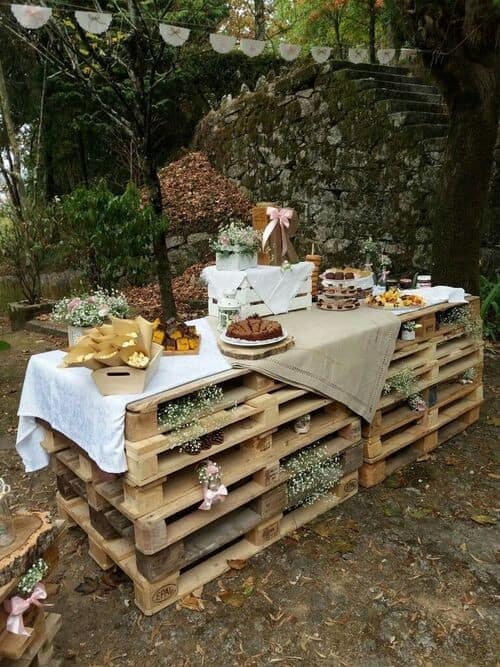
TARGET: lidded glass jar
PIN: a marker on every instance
(229, 310)
(6, 521)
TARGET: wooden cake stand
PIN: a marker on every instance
(254, 353)
(35, 538)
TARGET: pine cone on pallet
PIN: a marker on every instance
(192, 447)
(211, 439)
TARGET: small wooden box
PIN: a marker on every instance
(127, 380)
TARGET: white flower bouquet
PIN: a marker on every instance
(90, 310)
(236, 246)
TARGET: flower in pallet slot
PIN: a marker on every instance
(417, 403)
(312, 474)
(210, 477)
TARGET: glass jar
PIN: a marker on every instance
(6, 521)
(229, 310)
(424, 281)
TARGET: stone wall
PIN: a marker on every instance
(356, 150)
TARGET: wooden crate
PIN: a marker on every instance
(252, 304)
(151, 596)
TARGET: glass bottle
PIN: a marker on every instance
(6, 521)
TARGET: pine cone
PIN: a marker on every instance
(192, 447)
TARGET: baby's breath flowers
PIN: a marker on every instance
(404, 383)
(90, 310)
(185, 411)
(32, 577)
(237, 237)
(312, 475)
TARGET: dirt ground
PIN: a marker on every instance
(405, 573)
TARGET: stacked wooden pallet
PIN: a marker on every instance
(438, 359)
(37, 649)
(147, 521)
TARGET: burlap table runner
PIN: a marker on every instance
(342, 355)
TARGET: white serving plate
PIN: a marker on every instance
(239, 342)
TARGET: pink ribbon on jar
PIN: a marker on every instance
(281, 217)
(210, 496)
(17, 606)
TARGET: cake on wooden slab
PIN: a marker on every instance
(254, 328)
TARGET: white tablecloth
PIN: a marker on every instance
(275, 287)
(69, 401)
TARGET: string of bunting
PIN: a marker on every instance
(33, 17)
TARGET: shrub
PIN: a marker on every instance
(490, 307)
(111, 235)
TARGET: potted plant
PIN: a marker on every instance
(409, 329)
(81, 313)
(236, 247)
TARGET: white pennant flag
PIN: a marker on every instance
(94, 22)
(31, 16)
(222, 43)
(385, 56)
(358, 55)
(252, 47)
(320, 53)
(174, 34)
(289, 51)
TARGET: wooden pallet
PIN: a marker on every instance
(450, 419)
(151, 597)
(238, 385)
(168, 510)
(40, 649)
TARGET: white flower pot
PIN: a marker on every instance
(75, 333)
(235, 261)
(407, 335)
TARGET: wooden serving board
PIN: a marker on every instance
(254, 353)
(177, 353)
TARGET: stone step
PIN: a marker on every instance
(401, 118)
(367, 83)
(391, 94)
(426, 130)
(388, 69)
(363, 73)
(410, 105)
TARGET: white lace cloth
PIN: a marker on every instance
(69, 401)
(275, 287)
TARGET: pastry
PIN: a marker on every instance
(349, 275)
(339, 275)
(254, 328)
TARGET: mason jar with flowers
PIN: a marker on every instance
(409, 330)
(81, 313)
(236, 247)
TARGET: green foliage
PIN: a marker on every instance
(24, 244)
(490, 307)
(4, 346)
(462, 316)
(110, 235)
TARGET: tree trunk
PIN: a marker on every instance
(471, 95)
(163, 270)
(371, 30)
(260, 19)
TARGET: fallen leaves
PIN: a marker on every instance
(484, 519)
(237, 564)
(193, 601)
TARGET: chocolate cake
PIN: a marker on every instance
(254, 328)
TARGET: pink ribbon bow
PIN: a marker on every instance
(17, 606)
(281, 217)
(212, 496)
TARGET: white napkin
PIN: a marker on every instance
(68, 399)
(276, 287)
(222, 281)
(439, 294)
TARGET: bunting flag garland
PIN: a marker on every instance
(289, 51)
(222, 43)
(320, 53)
(252, 47)
(94, 22)
(174, 34)
(358, 55)
(31, 16)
